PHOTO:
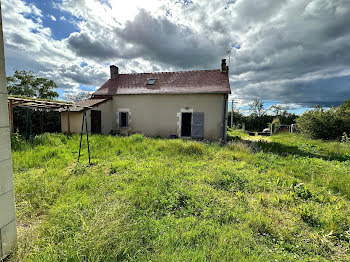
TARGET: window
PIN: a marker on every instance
(151, 81)
(123, 119)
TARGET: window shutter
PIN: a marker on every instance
(197, 125)
(120, 119)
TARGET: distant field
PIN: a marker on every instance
(284, 198)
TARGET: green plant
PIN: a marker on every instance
(276, 124)
(345, 138)
(150, 199)
(325, 124)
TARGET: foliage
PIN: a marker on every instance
(256, 108)
(345, 138)
(260, 117)
(51, 121)
(320, 123)
(27, 84)
(76, 97)
(278, 110)
(254, 123)
(286, 198)
(276, 124)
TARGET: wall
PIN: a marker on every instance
(75, 122)
(160, 115)
(76, 119)
(7, 204)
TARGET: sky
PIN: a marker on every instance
(294, 53)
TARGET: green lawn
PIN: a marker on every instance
(283, 198)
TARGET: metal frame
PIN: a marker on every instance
(36, 104)
(84, 121)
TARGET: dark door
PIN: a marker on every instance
(186, 120)
(96, 121)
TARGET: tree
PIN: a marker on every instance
(25, 83)
(278, 110)
(76, 97)
(256, 108)
(325, 124)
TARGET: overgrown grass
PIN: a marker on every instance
(285, 198)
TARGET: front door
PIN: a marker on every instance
(96, 121)
(186, 120)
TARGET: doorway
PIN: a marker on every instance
(96, 121)
(186, 121)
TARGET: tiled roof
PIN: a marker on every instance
(79, 106)
(186, 82)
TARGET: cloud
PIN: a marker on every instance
(29, 45)
(158, 39)
(53, 18)
(294, 52)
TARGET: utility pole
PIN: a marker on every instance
(232, 107)
(231, 113)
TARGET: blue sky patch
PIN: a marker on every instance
(87, 88)
(65, 23)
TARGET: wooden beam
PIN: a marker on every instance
(11, 117)
(68, 117)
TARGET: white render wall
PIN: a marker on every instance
(7, 203)
(160, 115)
(76, 118)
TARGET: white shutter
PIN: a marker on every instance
(197, 125)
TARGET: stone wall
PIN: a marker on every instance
(7, 204)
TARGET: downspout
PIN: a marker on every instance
(224, 113)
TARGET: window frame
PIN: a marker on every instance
(151, 79)
(126, 119)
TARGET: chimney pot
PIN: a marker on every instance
(224, 67)
(114, 71)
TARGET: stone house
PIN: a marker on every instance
(187, 104)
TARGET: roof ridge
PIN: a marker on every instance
(171, 72)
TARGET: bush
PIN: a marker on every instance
(276, 124)
(345, 138)
(319, 123)
(18, 143)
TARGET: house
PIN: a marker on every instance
(188, 104)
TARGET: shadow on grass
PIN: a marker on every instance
(285, 150)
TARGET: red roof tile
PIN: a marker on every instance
(91, 102)
(187, 82)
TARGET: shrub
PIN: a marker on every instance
(137, 138)
(18, 143)
(319, 123)
(192, 148)
(345, 138)
(276, 124)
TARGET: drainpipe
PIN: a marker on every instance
(224, 113)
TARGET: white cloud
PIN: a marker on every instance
(29, 45)
(53, 18)
(290, 51)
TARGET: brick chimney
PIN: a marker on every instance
(114, 71)
(224, 67)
